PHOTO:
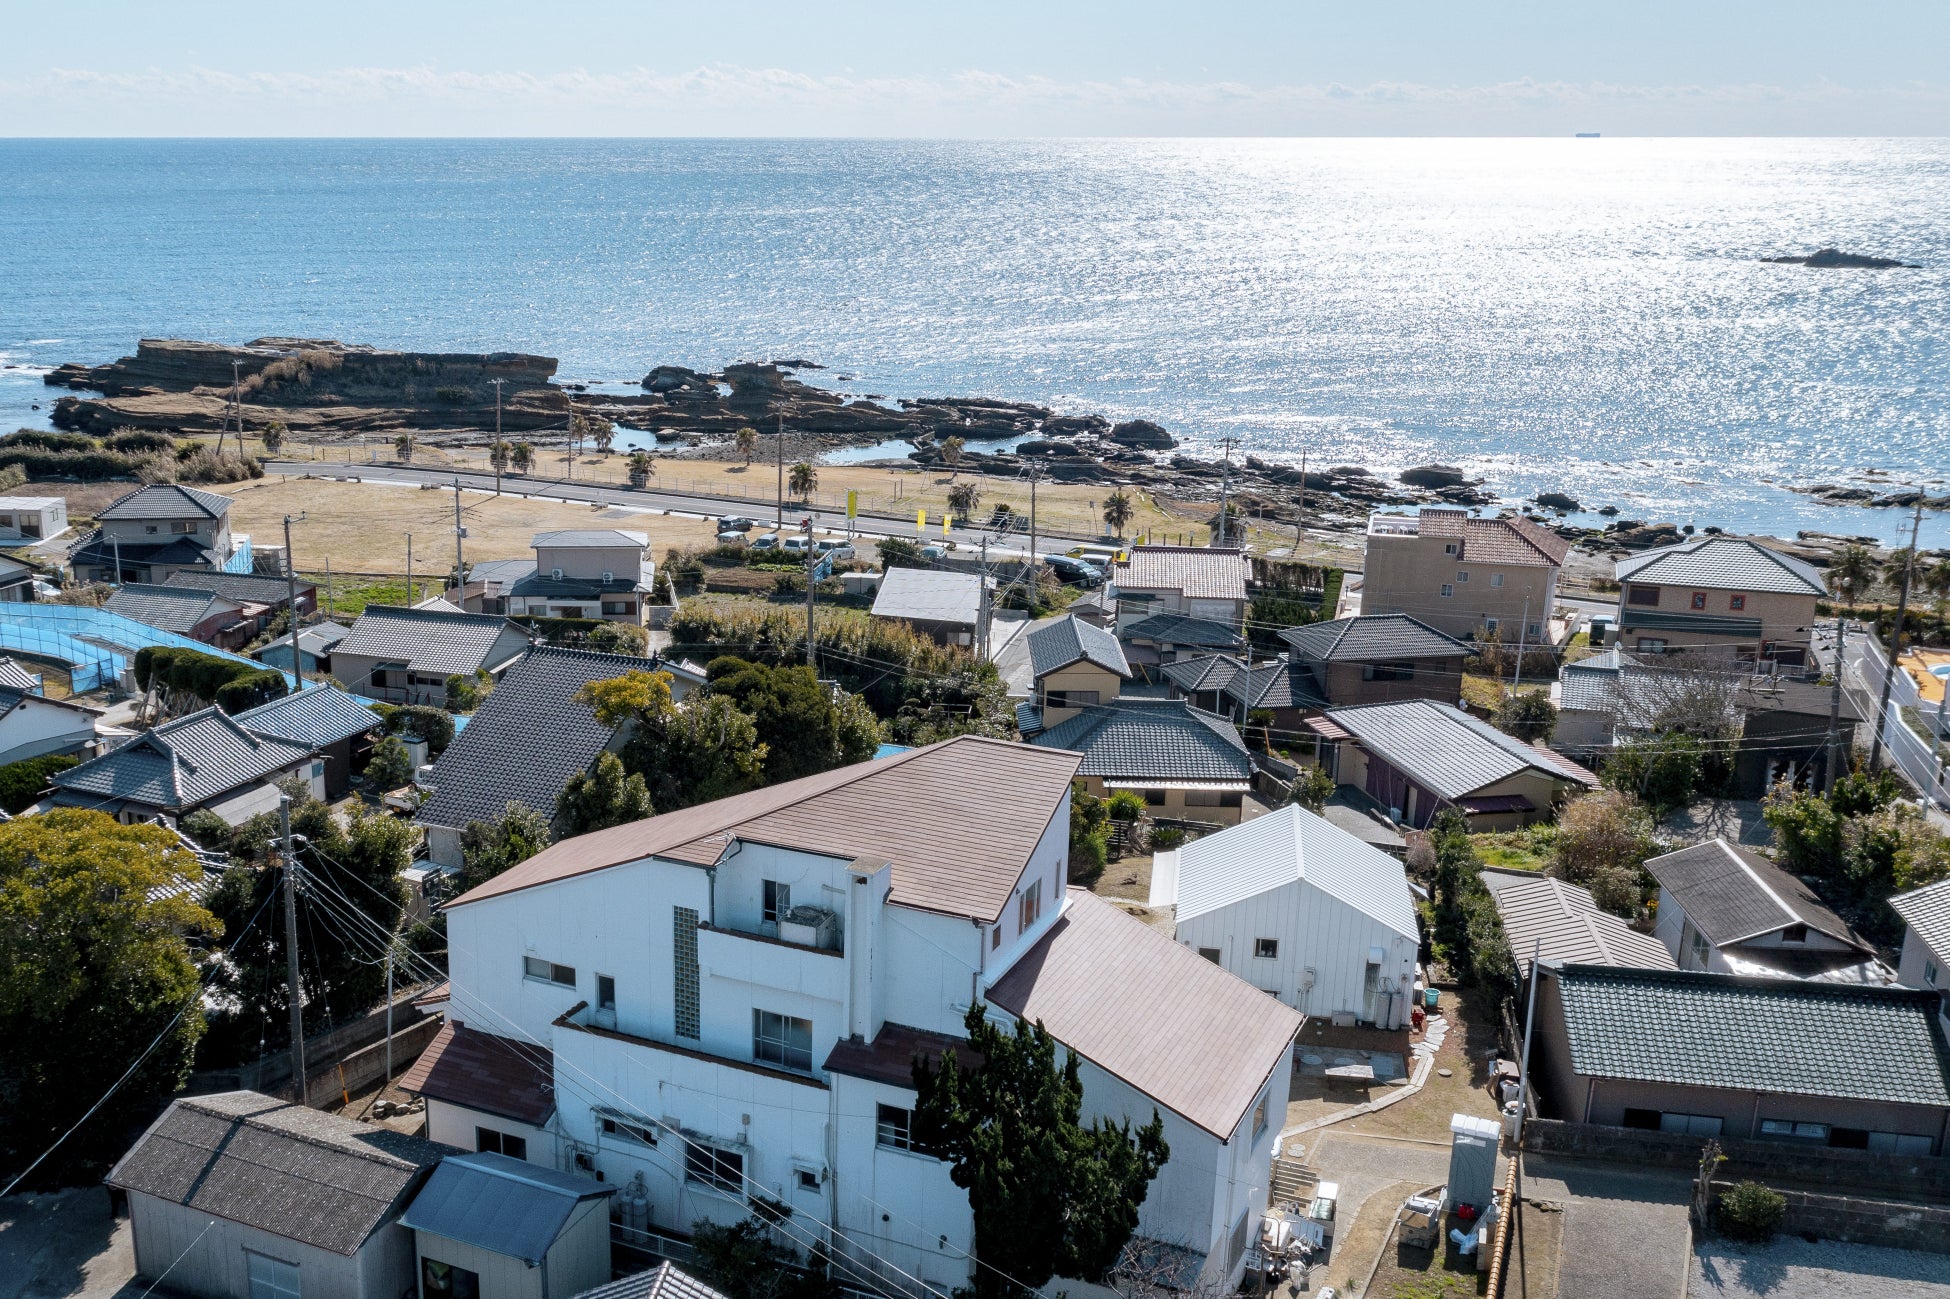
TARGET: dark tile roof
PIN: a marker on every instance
(1732, 893)
(890, 1057)
(1062, 641)
(1206, 1040)
(248, 588)
(1788, 1037)
(14, 675)
(1371, 638)
(167, 501)
(1152, 739)
(168, 608)
(286, 1169)
(1180, 629)
(1206, 672)
(545, 586)
(957, 820)
(1445, 750)
(504, 1205)
(528, 737)
(481, 1071)
(431, 640)
(665, 1281)
(318, 716)
(184, 763)
(1280, 684)
(186, 551)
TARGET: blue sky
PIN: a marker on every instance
(438, 67)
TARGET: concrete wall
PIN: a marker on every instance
(589, 563)
(454, 1125)
(1861, 1221)
(897, 1203)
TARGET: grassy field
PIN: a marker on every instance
(1524, 850)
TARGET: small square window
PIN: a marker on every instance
(721, 1170)
(1794, 934)
(1930, 973)
(1449, 548)
(623, 1129)
(1462, 575)
(1699, 599)
(1496, 579)
(782, 1040)
(1736, 602)
(808, 1180)
(1211, 954)
(1447, 590)
(1266, 949)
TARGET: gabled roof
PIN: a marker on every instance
(1062, 641)
(184, 763)
(1207, 672)
(1509, 540)
(94, 548)
(13, 696)
(590, 539)
(248, 588)
(431, 640)
(664, 1281)
(1927, 911)
(1539, 909)
(930, 595)
(167, 501)
(167, 608)
(482, 1071)
(19, 678)
(1153, 740)
(1445, 750)
(1197, 1040)
(1723, 564)
(1281, 683)
(1288, 844)
(526, 739)
(1371, 638)
(958, 821)
(283, 1168)
(1181, 629)
(1732, 894)
(1590, 684)
(319, 716)
(1788, 1037)
(496, 573)
(1197, 572)
(503, 1205)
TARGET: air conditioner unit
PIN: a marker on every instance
(555, 573)
(608, 576)
(810, 927)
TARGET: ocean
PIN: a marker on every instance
(1586, 316)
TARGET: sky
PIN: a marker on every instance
(1003, 69)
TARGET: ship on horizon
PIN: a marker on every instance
(1587, 135)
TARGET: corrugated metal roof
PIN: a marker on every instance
(1197, 1040)
(1732, 893)
(167, 608)
(430, 640)
(526, 739)
(283, 1168)
(319, 716)
(1783, 1036)
(1062, 641)
(1444, 749)
(930, 595)
(591, 538)
(1567, 922)
(1288, 844)
(665, 1281)
(506, 1206)
(1723, 564)
(958, 822)
(1152, 739)
(184, 763)
(1196, 572)
(482, 1071)
(1179, 629)
(1371, 638)
(167, 501)
(1927, 911)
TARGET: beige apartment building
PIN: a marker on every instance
(603, 573)
(1464, 576)
(1720, 595)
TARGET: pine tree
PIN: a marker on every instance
(600, 798)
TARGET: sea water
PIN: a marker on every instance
(1586, 316)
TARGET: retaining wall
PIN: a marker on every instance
(1861, 1221)
(1762, 1161)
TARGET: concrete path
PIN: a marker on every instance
(1626, 1234)
(1792, 1268)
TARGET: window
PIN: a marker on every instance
(271, 1278)
(1496, 579)
(1266, 949)
(1029, 908)
(806, 1178)
(605, 993)
(1736, 602)
(1154, 798)
(1652, 645)
(619, 606)
(150, 527)
(720, 1169)
(1694, 1125)
(778, 901)
(1695, 950)
(1388, 672)
(185, 528)
(535, 967)
(1449, 548)
(1643, 1120)
(1794, 934)
(1071, 698)
(894, 1128)
(445, 1281)
(1462, 575)
(1642, 595)
(1211, 954)
(995, 937)
(1791, 1131)
(1533, 629)
(501, 1143)
(1447, 590)
(1259, 1115)
(782, 1040)
(624, 1129)
(1699, 599)
(1930, 973)
(1489, 626)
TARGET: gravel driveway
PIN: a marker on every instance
(1792, 1268)
(1625, 1229)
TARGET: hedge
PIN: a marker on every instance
(230, 685)
(21, 783)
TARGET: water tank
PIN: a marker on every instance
(811, 927)
(635, 1199)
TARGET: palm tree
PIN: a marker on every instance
(963, 498)
(1936, 580)
(1118, 511)
(746, 440)
(642, 468)
(951, 449)
(1895, 569)
(498, 452)
(523, 457)
(1852, 573)
(803, 480)
(602, 432)
(273, 437)
(403, 444)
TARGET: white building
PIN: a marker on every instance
(729, 1000)
(32, 518)
(1300, 909)
(1926, 936)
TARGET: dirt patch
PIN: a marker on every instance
(1536, 1243)
(1357, 1242)
(1465, 1054)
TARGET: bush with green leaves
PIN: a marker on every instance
(419, 722)
(1749, 1211)
(22, 783)
(1089, 835)
(1311, 789)
(1529, 715)
(487, 848)
(1661, 770)
(390, 766)
(207, 678)
(1164, 838)
(463, 694)
(1125, 805)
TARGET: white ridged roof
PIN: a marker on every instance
(1257, 856)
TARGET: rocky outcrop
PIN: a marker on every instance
(1143, 434)
(1433, 476)
(1825, 259)
(1558, 501)
(1891, 496)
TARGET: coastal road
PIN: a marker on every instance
(1867, 665)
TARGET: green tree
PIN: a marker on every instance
(487, 848)
(899, 552)
(463, 695)
(703, 750)
(1126, 805)
(746, 440)
(97, 961)
(803, 728)
(1089, 834)
(744, 1260)
(963, 498)
(1118, 511)
(499, 453)
(1311, 789)
(1936, 580)
(273, 437)
(1601, 844)
(1530, 716)
(642, 467)
(1051, 1197)
(390, 765)
(403, 446)
(522, 457)
(951, 449)
(619, 638)
(1852, 573)
(601, 797)
(1663, 770)
(802, 480)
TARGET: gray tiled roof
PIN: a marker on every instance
(320, 716)
(930, 595)
(1371, 638)
(1204, 673)
(252, 588)
(431, 640)
(166, 608)
(1784, 1036)
(167, 501)
(19, 678)
(94, 549)
(1723, 564)
(184, 763)
(500, 1204)
(592, 538)
(1444, 749)
(526, 740)
(1538, 909)
(1062, 641)
(1196, 572)
(295, 1172)
(1181, 629)
(1927, 911)
(1732, 893)
(1280, 684)
(1588, 685)
(665, 1281)
(1154, 739)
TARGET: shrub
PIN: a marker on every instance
(136, 441)
(1664, 770)
(206, 465)
(1751, 1212)
(390, 766)
(208, 829)
(230, 685)
(21, 783)
(421, 722)
(1530, 717)
(452, 393)
(1311, 789)
(898, 552)
(463, 696)
(1167, 837)
(619, 638)
(1125, 805)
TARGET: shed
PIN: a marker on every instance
(1726, 908)
(950, 607)
(32, 518)
(239, 1194)
(489, 1226)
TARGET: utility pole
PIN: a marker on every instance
(495, 453)
(1522, 627)
(460, 534)
(1835, 705)
(292, 870)
(812, 645)
(1896, 639)
(986, 612)
(291, 593)
(1529, 1018)
(116, 541)
(409, 570)
(778, 525)
(1225, 493)
(1035, 473)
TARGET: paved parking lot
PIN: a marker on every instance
(1792, 1268)
(64, 1244)
(1625, 1230)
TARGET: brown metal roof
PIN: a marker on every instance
(1197, 572)
(957, 820)
(1511, 540)
(484, 1072)
(890, 1057)
(1196, 1039)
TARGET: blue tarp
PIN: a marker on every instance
(94, 641)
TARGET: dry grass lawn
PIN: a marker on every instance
(1465, 1054)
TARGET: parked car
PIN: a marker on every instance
(770, 541)
(838, 547)
(736, 523)
(1075, 571)
(794, 546)
(731, 537)
(932, 553)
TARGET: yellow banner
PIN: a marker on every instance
(852, 503)
(920, 520)
(944, 525)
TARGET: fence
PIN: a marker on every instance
(1859, 1221)
(348, 1057)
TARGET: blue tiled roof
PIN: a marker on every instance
(320, 716)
